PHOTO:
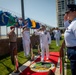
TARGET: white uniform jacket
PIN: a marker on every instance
(44, 37)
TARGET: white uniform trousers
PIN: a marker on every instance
(57, 41)
(44, 48)
(26, 47)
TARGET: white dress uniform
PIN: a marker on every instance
(57, 36)
(49, 38)
(45, 39)
(26, 42)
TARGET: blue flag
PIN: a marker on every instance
(4, 18)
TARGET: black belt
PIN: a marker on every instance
(13, 42)
(74, 47)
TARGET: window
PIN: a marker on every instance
(62, 3)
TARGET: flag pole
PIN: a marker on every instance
(22, 9)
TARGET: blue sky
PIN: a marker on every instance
(39, 10)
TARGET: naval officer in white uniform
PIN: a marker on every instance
(26, 40)
(45, 40)
(57, 36)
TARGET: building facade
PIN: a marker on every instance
(61, 7)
